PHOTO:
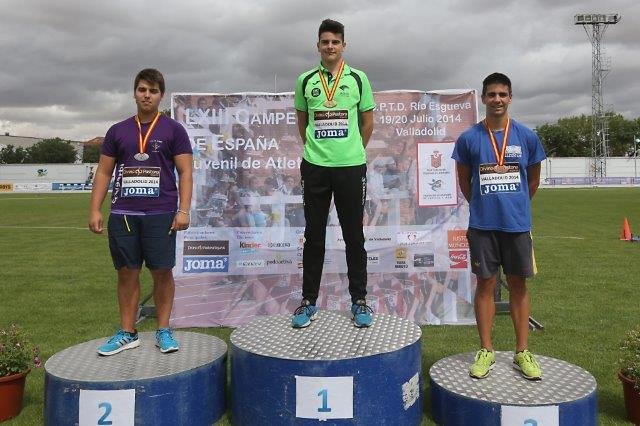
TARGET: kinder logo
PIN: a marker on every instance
(257, 263)
(457, 239)
(197, 265)
(250, 245)
(459, 259)
(206, 248)
(373, 259)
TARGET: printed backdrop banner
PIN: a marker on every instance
(242, 255)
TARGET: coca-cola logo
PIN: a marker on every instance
(458, 259)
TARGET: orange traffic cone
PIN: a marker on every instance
(625, 232)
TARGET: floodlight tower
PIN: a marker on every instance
(595, 24)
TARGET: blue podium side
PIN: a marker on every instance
(182, 388)
(384, 362)
(457, 399)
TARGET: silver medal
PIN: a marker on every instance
(141, 156)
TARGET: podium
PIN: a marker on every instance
(138, 386)
(565, 396)
(328, 373)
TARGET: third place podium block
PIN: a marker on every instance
(566, 395)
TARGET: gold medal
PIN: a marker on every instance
(142, 142)
(330, 103)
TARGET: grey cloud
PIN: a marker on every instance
(68, 67)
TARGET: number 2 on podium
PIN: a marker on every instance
(107, 410)
(325, 396)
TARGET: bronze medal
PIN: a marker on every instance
(500, 154)
(500, 168)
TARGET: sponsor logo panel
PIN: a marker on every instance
(457, 239)
(423, 260)
(201, 264)
(206, 248)
(459, 259)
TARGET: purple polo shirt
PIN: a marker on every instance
(145, 187)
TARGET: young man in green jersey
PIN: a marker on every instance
(334, 104)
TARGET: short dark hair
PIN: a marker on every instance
(150, 75)
(495, 78)
(331, 26)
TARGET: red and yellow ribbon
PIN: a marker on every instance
(494, 143)
(330, 93)
(142, 141)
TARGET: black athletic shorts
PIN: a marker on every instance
(491, 249)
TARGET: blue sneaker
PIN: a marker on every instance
(165, 340)
(304, 314)
(361, 314)
(119, 342)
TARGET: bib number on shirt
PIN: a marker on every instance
(492, 182)
(331, 124)
(141, 182)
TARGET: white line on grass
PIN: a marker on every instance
(31, 198)
(40, 227)
(558, 237)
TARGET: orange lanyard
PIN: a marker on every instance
(142, 142)
(494, 143)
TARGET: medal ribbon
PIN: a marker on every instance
(325, 86)
(494, 144)
(142, 143)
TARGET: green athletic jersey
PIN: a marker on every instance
(333, 135)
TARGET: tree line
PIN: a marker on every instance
(568, 137)
(572, 137)
(47, 151)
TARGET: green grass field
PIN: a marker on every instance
(57, 281)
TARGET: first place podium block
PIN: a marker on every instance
(138, 386)
(566, 395)
(328, 373)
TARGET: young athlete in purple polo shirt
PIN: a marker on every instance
(146, 207)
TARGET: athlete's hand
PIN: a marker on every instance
(95, 221)
(180, 221)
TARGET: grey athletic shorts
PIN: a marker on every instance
(491, 249)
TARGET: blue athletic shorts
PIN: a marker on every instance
(134, 239)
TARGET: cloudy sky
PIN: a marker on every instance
(66, 68)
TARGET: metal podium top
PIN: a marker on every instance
(331, 336)
(561, 381)
(82, 362)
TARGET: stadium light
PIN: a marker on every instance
(596, 18)
(595, 24)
